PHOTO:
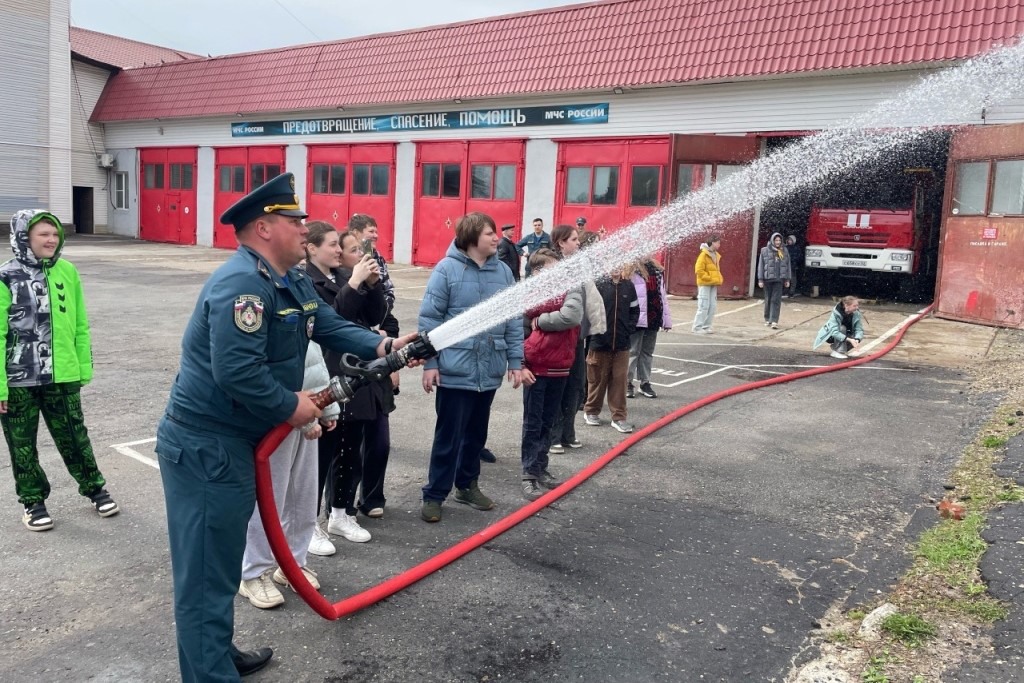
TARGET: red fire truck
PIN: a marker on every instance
(887, 236)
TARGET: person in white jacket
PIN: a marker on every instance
(293, 470)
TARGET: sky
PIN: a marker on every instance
(217, 27)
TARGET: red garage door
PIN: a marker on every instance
(455, 178)
(611, 183)
(698, 161)
(167, 198)
(348, 179)
(237, 172)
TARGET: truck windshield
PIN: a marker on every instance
(893, 193)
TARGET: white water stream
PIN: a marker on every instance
(947, 97)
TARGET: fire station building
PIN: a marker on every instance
(605, 110)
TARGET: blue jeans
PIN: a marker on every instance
(542, 404)
(459, 436)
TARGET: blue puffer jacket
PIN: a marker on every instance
(478, 363)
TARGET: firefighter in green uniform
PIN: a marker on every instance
(241, 369)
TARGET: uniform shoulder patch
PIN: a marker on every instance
(248, 313)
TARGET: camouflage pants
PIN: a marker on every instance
(61, 406)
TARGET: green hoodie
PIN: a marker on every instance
(42, 313)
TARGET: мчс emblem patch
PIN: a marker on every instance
(248, 313)
(309, 326)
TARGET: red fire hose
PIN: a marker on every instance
(354, 603)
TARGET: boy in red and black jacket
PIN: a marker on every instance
(549, 352)
(608, 357)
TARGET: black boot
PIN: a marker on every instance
(487, 456)
(252, 661)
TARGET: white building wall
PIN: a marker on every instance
(206, 180)
(34, 120)
(59, 115)
(405, 193)
(539, 183)
(87, 140)
(125, 222)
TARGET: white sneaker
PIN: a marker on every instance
(375, 513)
(261, 591)
(592, 420)
(701, 331)
(347, 527)
(556, 449)
(282, 580)
(836, 354)
(321, 544)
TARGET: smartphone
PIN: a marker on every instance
(368, 247)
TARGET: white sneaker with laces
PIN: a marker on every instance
(261, 591)
(836, 354)
(321, 544)
(282, 580)
(346, 526)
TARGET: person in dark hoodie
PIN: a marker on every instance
(608, 353)
(773, 273)
(49, 360)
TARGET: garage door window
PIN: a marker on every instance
(598, 185)
(1008, 193)
(645, 187)
(493, 181)
(970, 191)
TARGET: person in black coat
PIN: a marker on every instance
(363, 441)
(507, 251)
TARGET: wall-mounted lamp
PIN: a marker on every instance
(238, 114)
(341, 108)
(458, 101)
(617, 91)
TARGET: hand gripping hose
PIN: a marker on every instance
(374, 594)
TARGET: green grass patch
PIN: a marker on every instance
(909, 629)
(856, 614)
(839, 636)
(991, 441)
(874, 672)
(953, 548)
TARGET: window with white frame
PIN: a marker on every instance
(121, 190)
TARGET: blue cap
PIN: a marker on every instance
(277, 195)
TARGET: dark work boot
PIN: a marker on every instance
(251, 661)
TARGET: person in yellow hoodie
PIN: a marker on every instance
(709, 278)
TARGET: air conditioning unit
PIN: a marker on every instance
(105, 160)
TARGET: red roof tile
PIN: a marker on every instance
(579, 48)
(121, 52)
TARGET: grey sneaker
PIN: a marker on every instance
(261, 591)
(431, 511)
(592, 420)
(473, 497)
(630, 391)
(549, 481)
(836, 354)
(647, 390)
(531, 489)
(622, 426)
(556, 449)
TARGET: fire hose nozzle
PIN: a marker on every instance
(357, 373)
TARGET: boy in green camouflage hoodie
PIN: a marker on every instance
(48, 360)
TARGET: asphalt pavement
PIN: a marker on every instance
(709, 553)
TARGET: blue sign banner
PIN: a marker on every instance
(558, 115)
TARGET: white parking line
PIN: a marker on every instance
(126, 449)
(741, 308)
